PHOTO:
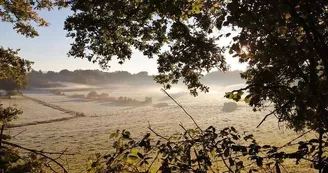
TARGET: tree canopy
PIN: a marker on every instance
(13, 70)
(24, 14)
(24, 17)
(106, 29)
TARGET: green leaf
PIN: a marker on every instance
(133, 158)
(140, 155)
(226, 152)
(259, 161)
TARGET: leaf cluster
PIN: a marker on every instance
(200, 151)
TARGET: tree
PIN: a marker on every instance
(106, 29)
(285, 43)
(13, 71)
(23, 13)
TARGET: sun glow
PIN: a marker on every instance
(244, 49)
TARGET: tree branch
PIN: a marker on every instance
(182, 109)
(41, 153)
(265, 117)
(1, 134)
(158, 134)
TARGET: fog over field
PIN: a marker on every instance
(66, 116)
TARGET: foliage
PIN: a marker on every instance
(103, 30)
(8, 114)
(10, 160)
(200, 151)
(13, 69)
(286, 46)
(284, 43)
(23, 14)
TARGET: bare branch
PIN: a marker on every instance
(290, 142)
(19, 133)
(42, 153)
(265, 117)
(157, 134)
(1, 134)
(37, 151)
(225, 163)
(182, 109)
(181, 125)
(148, 170)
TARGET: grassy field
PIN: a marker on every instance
(90, 134)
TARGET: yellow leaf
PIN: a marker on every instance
(282, 31)
(299, 39)
(287, 16)
(216, 4)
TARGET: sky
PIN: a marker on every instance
(49, 50)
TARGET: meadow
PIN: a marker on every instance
(87, 135)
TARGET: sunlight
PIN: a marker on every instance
(244, 49)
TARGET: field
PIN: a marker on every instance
(90, 134)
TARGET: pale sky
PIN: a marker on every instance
(49, 50)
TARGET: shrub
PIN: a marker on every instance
(103, 95)
(92, 94)
(229, 107)
(201, 151)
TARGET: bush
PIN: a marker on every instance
(92, 94)
(229, 107)
(202, 151)
(103, 95)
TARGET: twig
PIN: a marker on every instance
(266, 116)
(199, 166)
(50, 167)
(36, 151)
(225, 163)
(182, 109)
(63, 152)
(185, 130)
(19, 133)
(283, 167)
(273, 112)
(158, 134)
(1, 134)
(148, 170)
(41, 153)
(289, 143)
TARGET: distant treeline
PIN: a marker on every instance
(104, 97)
(39, 79)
